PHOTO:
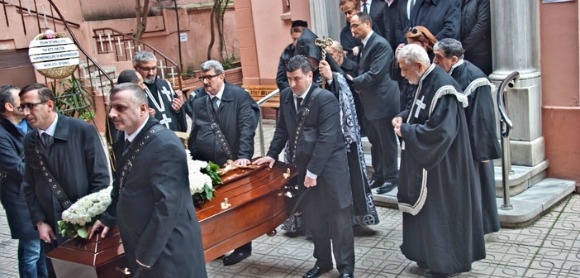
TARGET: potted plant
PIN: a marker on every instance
(73, 100)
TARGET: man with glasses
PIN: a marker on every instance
(225, 118)
(13, 128)
(380, 101)
(160, 95)
(65, 161)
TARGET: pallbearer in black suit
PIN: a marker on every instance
(310, 121)
(480, 115)
(225, 118)
(160, 95)
(151, 202)
(380, 101)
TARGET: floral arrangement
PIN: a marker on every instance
(202, 177)
(78, 218)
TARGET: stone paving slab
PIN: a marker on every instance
(548, 247)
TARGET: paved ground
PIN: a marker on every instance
(549, 247)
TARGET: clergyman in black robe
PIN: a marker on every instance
(160, 95)
(365, 212)
(480, 115)
(439, 193)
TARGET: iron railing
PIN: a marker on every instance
(506, 125)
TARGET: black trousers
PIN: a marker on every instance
(384, 147)
(332, 232)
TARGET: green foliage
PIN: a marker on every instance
(72, 99)
(69, 230)
(230, 62)
(212, 171)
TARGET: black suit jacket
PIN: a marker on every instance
(237, 117)
(153, 206)
(379, 93)
(376, 12)
(320, 150)
(76, 159)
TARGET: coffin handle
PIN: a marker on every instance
(124, 270)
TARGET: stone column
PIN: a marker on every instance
(326, 18)
(516, 47)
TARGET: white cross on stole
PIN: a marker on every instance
(167, 93)
(420, 105)
(165, 121)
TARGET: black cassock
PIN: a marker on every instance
(480, 116)
(153, 207)
(160, 95)
(438, 191)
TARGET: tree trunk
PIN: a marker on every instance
(223, 46)
(141, 13)
(212, 17)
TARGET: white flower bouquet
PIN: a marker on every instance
(202, 178)
(78, 218)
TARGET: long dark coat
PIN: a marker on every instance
(379, 93)
(438, 188)
(76, 159)
(480, 116)
(281, 80)
(11, 186)
(320, 150)
(237, 117)
(154, 209)
(476, 33)
(441, 17)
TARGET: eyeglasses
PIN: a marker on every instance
(29, 106)
(146, 68)
(208, 77)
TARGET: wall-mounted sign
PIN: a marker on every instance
(53, 56)
(182, 37)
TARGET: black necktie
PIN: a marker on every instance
(126, 146)
(365, 10)
(214, 102)
(298, 103)
(45, 138)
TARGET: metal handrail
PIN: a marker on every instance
(506, 125)
(117, 33)
(260, 102)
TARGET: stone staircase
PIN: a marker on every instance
(532, 194)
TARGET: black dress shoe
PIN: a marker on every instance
(385, 188)
(235, 257)
(360, 231)
(315, 272)
(374, 183)
(345, 275)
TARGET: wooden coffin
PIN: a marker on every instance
(91, 258)
(258, 201)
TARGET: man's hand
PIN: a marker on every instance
(96, 227)
(264, 160)
(355, 50)
(176, 104)
(309, 182)
(397, 122)
(242, 162)
(152, 112)
(324, 69)
(45, 232)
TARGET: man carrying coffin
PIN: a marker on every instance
(151, 202)
(225, 118)
(160, 96)
(310, 121)
(438, 190)
(480, 115)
